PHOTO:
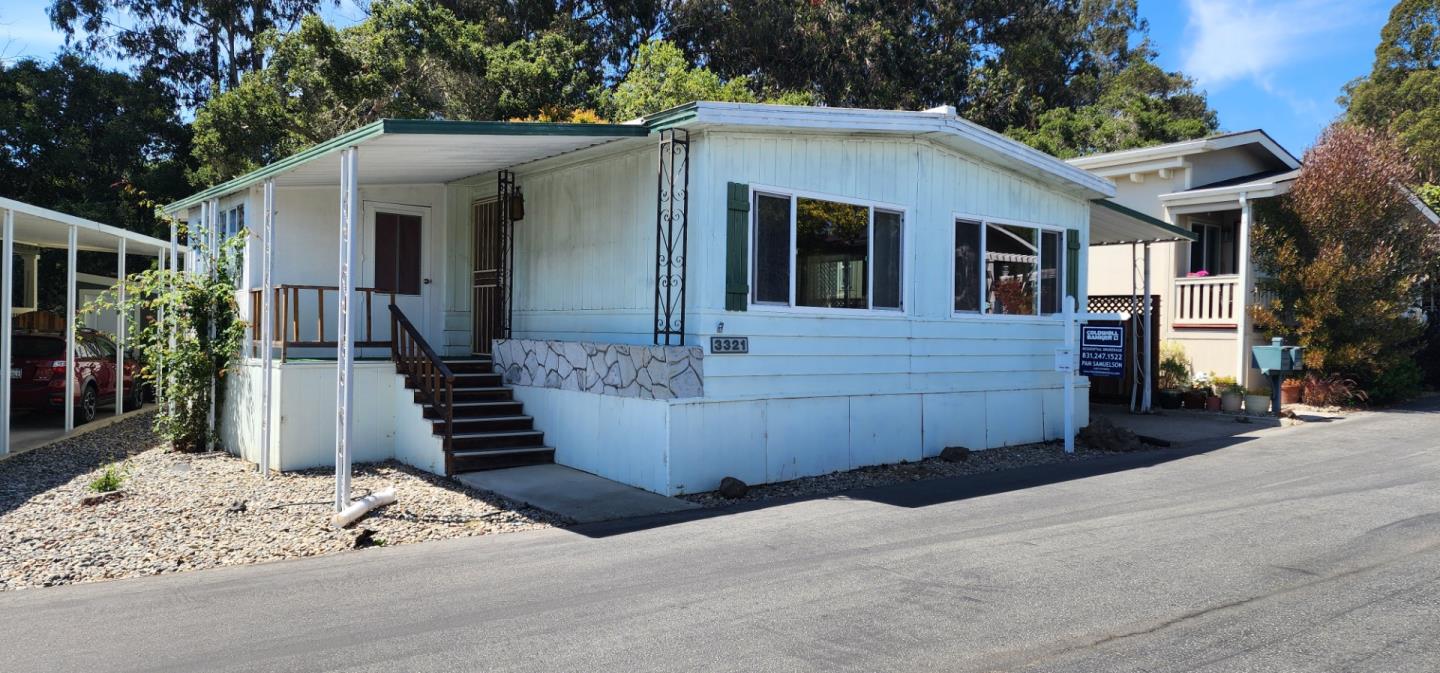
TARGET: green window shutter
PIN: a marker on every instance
(737, 228)
(1072, 263)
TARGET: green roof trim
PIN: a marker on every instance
(1154, 222)
(407, 126)
(674, 116)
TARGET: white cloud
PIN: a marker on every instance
(1239, 39)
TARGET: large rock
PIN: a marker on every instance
(1103, 435)
(955, 454)
(733, 488)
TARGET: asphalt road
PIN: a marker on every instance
(1312, 549)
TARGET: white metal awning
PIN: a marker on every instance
(417, 151)
(1114, 224)
(45, 228)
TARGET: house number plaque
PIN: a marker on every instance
(724, 345)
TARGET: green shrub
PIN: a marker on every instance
(1399, 382)
(1175, 370)
(111, 478)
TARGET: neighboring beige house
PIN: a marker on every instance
(1208, 187)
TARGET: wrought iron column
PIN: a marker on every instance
(671, 221)
(506, 252)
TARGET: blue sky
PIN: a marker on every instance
(1272, 64)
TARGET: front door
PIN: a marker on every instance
(393, 240)
(488, 300)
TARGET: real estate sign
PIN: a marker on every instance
(1102, 351)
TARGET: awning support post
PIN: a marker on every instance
(345, 356)
(212, 231)
(7, 286)
(1242, 302)
(120, 330)
(1145, 320)
(267, 324)
(69, 403)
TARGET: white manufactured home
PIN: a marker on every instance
(765, 292)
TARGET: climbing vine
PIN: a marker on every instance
(169, 317)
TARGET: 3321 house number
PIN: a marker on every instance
(723, 345)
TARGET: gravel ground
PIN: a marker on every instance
(178, 513)
(989, 460)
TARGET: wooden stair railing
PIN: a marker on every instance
(429, 374)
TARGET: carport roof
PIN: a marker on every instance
(425, 150)
(45, 228)
(1114, 224)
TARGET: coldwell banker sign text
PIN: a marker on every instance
(1102, 351)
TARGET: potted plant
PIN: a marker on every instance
(1232, 396)
(1290, 390)
(1194, 398)
(1257, 401)
(1174, 373)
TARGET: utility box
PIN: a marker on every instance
(1277, 359)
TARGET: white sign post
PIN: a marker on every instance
(1067, 362)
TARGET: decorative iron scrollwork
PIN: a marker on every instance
(505, 264)
(671, 224)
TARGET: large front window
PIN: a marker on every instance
(1213, 252)
(824, 253)
(1018, 274)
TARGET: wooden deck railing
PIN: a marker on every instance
(1207, 302)
(288, 306)
(424, 370)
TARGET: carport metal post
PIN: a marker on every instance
(345, 346)
(211, 231)
(267, 324)
(1149, 347)
(174, 269)
(7, 287)
(120, 329)
(69, 402)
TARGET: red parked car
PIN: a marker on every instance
(37, 373)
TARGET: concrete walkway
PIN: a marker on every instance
(1182, 428)
(579, 496)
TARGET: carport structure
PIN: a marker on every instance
(37, 227)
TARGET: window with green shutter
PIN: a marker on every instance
(737, 226)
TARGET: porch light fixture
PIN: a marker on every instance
(517, 205)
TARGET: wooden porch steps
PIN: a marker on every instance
(490, 429)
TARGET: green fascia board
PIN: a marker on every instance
(672, 117)
(401, 127)
(1152, 221)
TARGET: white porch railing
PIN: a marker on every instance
(1209, 301)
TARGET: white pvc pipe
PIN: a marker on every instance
(120, 328)
(360, 507)
(7, 287)
(69, 403)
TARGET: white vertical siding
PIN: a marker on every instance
(928, 349)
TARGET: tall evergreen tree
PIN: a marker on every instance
(1401, 95)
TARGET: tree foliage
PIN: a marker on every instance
(1138, 106)
(70, 131)
(1401, 95)
(662, 77)
(1344, 254)
(197, 47)
(408, 60)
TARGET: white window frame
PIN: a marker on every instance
(984, 221)
(790, 307)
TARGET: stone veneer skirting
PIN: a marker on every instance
(625, 370)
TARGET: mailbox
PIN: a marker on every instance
(1277, 359)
